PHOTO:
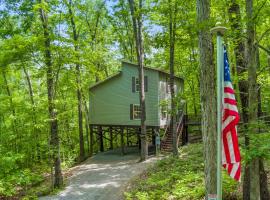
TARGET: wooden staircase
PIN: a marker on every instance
(167, 140)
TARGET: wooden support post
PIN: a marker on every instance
(111, 138)
(139, 137)
(91, 140)
(157, 141)
(127, 137)
(183, 136)
(186, 130)
(153, 137)
(122, 141)
(100, 134)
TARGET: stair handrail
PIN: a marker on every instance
(167, 127)
(179, 121)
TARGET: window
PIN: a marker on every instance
(137, 112)
(168, 87)
(137, 85)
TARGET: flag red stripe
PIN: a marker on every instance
(228, 90)
(235, 145)
(238, 173)
(230, 166)
(228, 112)
(230, 101)
(226, 148)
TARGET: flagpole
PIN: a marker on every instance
(220, 76)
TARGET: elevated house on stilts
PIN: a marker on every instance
(115, 109)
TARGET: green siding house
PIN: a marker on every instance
(115, 100)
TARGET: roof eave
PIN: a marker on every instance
(152, 68)
(105, 80)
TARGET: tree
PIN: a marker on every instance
(58, 178)
(136, 14)
(241, 68)
(78, 78)
(207, 91)
(252, 97)
(172, 29)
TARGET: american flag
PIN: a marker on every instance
(230, 149)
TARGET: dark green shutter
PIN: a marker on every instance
(133, 84)
(145, 83)
(131, 111)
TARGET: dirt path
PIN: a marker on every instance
(103, 176)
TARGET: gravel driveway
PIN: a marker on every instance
(103, 176)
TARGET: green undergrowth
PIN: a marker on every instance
(19, 182)
(177, 178)
(25, 184)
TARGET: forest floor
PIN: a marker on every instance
(178, 178)
(104, 176)
(181, 178)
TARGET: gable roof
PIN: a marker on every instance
(134, 65)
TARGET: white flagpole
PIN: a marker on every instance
(220, 76)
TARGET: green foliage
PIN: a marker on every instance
(12, 177)
(259, 147)
(178, 178)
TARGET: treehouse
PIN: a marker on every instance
(115, 106)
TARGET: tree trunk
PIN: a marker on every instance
(241, 67)
(91, 140)
(12, 108)
(252, 98)
(264, 193)
(172, 27)
(58, 178)
(34, 117)
(263, 182)
(87, 133)
(86, 110)
(208, 97)
(137, 28)
(78, 81)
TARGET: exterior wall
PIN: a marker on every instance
(165, 96)
(110, 101)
